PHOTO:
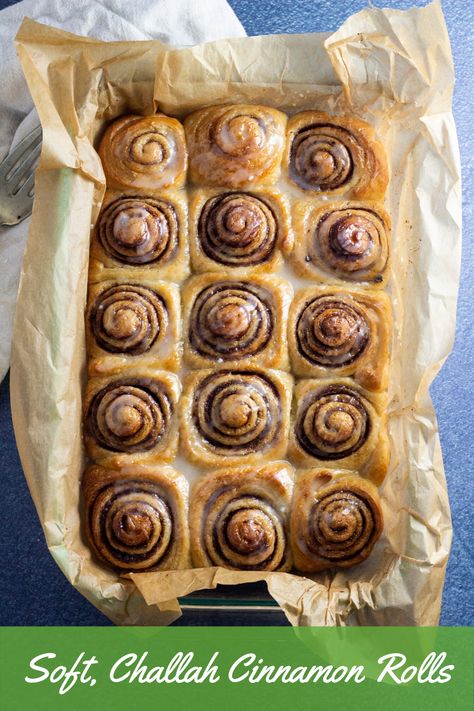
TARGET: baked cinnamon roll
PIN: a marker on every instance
(335, 155)
(235, 416)
(342, 242)
(142, 232)
(335, 331)
(136, 517)
(239, 518)
(126, 320)
(235, 146)
(339, 424)
(236, 320)
(336, 519)
(132, 416)
(243, 230)
(144, 152)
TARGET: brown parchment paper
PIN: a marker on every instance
(389, 67)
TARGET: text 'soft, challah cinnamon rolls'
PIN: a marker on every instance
(336, 519)
(339, 332)
(136, 517)
(144, 152)
(142, 232)
(338, 424)
(132, 416)
(235, 416)
(342, 242)
(335, 155)
(238, 518)
(248, 231)
(133, 323)
(235, 321)
(235, 146)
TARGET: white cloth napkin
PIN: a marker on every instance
(178, 22)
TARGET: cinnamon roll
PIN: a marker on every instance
(342, 242)
(249, 231)
(340, 332)
(126, 320)
(144, 152)
(235, 416)
(335, 155)
(235, 146)
(336, 519)
(136, 517)
(239, 518)
(143, 233)
(236, 320)
(339, 424)
(132, 416)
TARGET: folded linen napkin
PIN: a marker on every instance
(176, 22)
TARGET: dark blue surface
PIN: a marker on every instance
(35, 591)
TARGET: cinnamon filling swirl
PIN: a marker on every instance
(237, 412)
(321, 157)
(231, 320)
(351, 242)
(244, 531)
(130, 415)
(128, 318)
(237, 229)
(137, 230)
(331, 332)
(332, 423)
(238, 134)
(342, 524)
(131, 524)
(146, 152)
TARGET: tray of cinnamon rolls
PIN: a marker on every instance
(238, 339)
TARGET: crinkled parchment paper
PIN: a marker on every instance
(391, 68)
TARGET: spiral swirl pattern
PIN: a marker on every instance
(128, 318)
(139, 230)
(144, 152)
(237, 229)
(342, 524)
(322, 157)
(237, 412)
(244, 531)
(332, 422)
(130, 415)
(236, 133)
(235, 145)
(331, 332)
(131, 524)
(231, 320)
(351, 242)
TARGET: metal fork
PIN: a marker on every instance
(17, 179)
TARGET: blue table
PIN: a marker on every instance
(35, 591)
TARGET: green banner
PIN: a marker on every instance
(236, 668)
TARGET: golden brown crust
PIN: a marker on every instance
(336, 519)
(136, 517)
(132, 416)
(235, 146)
(341, 242)
(144, 152)
(333, 331)
(235, 416)
(241, 231)
(132, 322)
(144, 233)
(238, 518)
(234, 321)
(337, 155)
(336, 423)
